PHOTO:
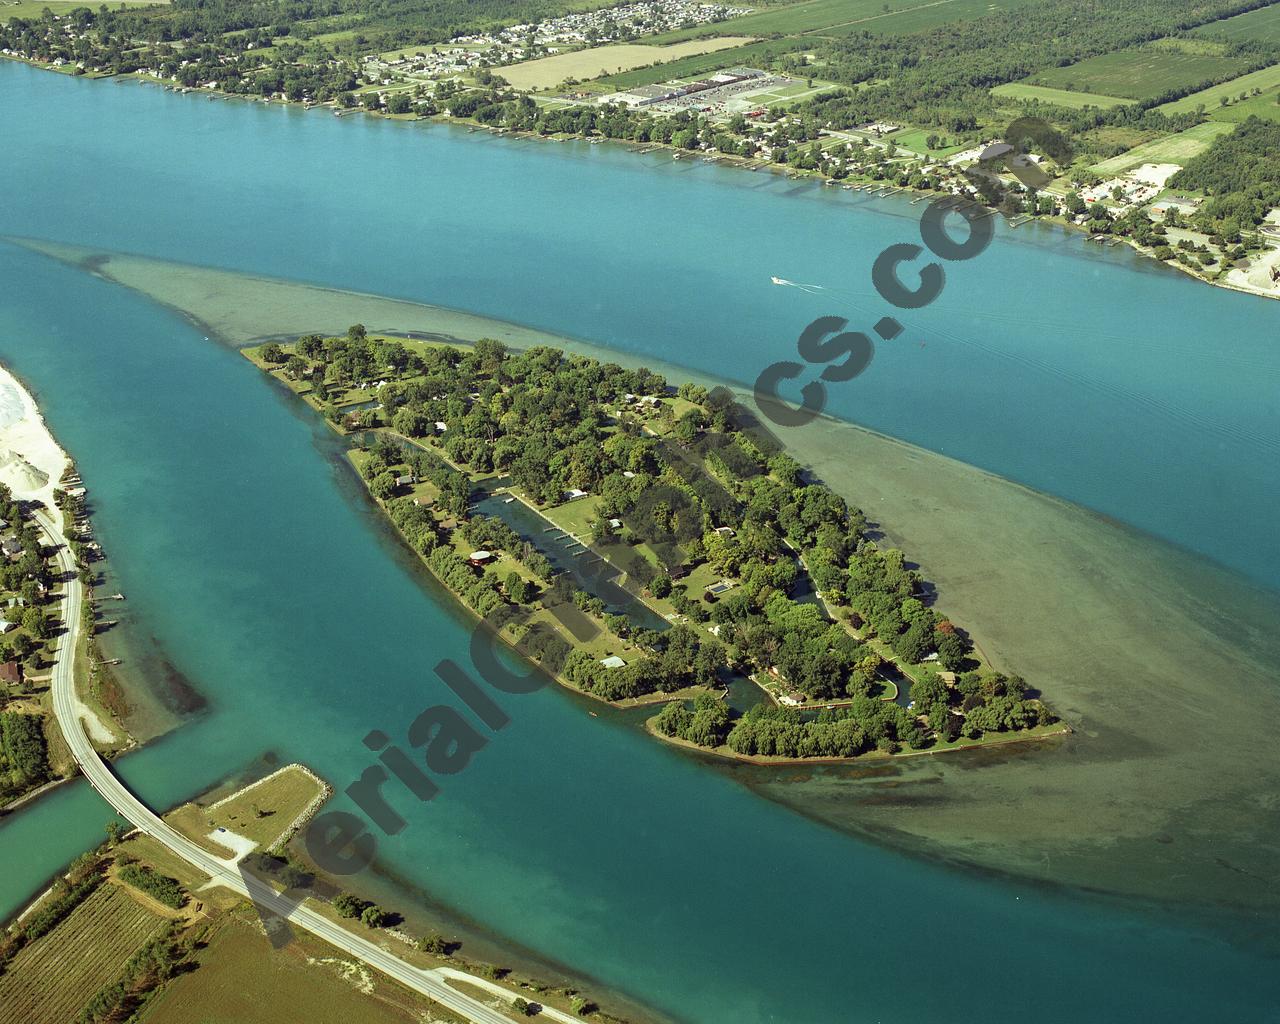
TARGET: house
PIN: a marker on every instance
(480, 557)
(615, 524)
(573, 494)
(628, 474)
(11, 673)
(6, 625)
(725, 531)
(613, 661)
(12, 547)
(441, 426)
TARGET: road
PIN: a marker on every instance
(427, 982)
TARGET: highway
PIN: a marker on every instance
(133, 810)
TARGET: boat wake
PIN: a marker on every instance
(812, 289)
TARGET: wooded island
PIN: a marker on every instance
(651, 544)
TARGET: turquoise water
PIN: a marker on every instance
(246, 551)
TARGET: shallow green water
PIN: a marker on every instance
(247, 553)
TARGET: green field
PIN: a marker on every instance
(1058, 97)
(1262, 25)
(1142, 73)
(51, 980)
(906, 18)
(1267, 105)
(1211, 98)
(1172, 149)
(693, 67)
(34, 8)
(547, 72)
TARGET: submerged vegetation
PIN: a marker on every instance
(714, 555)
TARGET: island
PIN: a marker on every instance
(654, 544)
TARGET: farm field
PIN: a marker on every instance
(906, 18)
(1211, 98)
(50, 981)
(1139, 74)
(1262, 25)
(241, 980)
(1059, 97)
(1267, 105)
(34, 8)
(548, 72)
(1172, 149)
(700, 64)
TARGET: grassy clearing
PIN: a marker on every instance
(1211, 98)
(1141, 73)
(241, 980)
(1058, 97)
(1172, 149)
(914, 139)
(264, 811)
(50, 981)
(548, 72)
(1262, 25)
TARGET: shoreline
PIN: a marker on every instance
(33, 465)
(749, 164)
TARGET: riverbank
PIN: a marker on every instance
(1251, 281)
(34, 468)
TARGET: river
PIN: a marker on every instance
(251, 560)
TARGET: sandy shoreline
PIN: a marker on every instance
(32, 464)
(1161, 662)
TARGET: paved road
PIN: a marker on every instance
(111, 789)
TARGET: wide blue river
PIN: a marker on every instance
(248, 557)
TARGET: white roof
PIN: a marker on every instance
(481, 555)
(613, 661)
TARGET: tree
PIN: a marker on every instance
(348, 906)
(434, 943)
(383, 486)
(36, 623)
(373, 916)
(115, 832)
(272, 353)
(660, 586)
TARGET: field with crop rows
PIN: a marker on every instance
(50, 981)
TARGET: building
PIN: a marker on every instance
(12, 547)
(613, 661)
(11, 673)
(6, 625)
(479, 558)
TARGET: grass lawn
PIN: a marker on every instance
(1140, 73)
(1211, 98)
(242, 980)
(51, 980)
(1172, 149)
(264, 810)
(914, 140)
(1262, 25)
(1058, 97)
(548, 72)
